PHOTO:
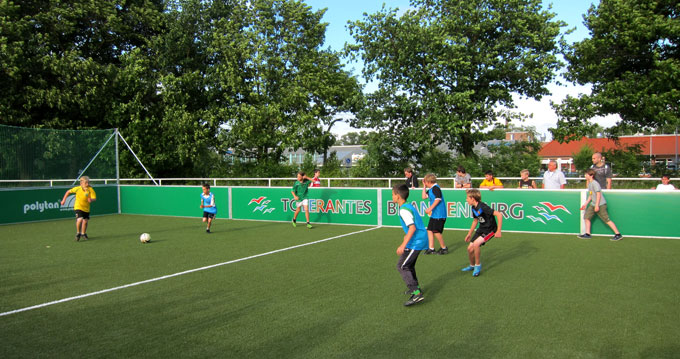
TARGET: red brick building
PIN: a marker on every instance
(659, 148)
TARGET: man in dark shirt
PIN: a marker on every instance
(603, 172)
(411, 179)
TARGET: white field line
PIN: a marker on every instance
(178, 274)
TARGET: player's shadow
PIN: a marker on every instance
(494, 257)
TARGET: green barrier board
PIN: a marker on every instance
(171, 201)
(27, 205)
(326, 205)
(530, 211)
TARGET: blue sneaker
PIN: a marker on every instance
(477, 270)
(468, 269)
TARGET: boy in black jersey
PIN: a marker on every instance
(489, 227)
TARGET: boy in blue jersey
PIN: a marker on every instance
(437, 213)
(414, 241)
(489, 227)
(208, 205)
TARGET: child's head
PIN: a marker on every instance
(408, 172)
(473, 196)
(317, 172)
(590, 173)
(206, 188)
(300, 175)
(430, 179)
(524, 173)
(488, 175)
(665, 179)
(84, 181)
(460, 171)
(400, 192)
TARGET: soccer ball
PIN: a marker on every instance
(144, 238)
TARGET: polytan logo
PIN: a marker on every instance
(41, 207)
(547, 212)
(261, 204)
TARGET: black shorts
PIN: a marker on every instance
(436, 225)
(208, 215)
(82, 214)
(486, 235)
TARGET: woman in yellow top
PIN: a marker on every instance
(84, 196)
(491, 182)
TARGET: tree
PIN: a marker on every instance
(354, 138)
(444, 67)
(509, 158)
(287, 89)
(60, 60)
(583, 158)
(632, 62)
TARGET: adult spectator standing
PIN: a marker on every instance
(665, 184)
(553, 178)
(411, 179)
(463, 179)
(603, 172)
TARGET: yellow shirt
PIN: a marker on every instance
(495, 182)
(81, 198)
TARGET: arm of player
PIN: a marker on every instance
(63, 200)
(407, 238)
(434, 204)
(499, 221)
(295, 196)
(91, 198)
(424, 196)
(472, 229)
(598, 198)
(586, 202)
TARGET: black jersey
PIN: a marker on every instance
(484, 214)
(412, 182)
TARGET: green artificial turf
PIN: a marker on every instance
(539, 296)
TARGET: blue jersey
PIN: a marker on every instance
(440, 210)
(408, 217)
(208, 200)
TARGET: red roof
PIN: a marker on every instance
(658, 145)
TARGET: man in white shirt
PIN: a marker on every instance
(553, 178)
(665, 184)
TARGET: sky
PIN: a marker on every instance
(339, 12)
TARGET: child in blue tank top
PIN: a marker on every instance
(208, 205)
(415, 240)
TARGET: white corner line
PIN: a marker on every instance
(179, 273)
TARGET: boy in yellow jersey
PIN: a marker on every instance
(84, 196)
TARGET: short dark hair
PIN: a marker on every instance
(489, 172)
(666, 176)
(474, 194)
(408, 169)
(301, 173)
(317, 170)
(206, 185)
(590, 172)
(401, 190)
(461, 169)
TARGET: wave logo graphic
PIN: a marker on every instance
(545, 212)
(68, 205)
(262, 204)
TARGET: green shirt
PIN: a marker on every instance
(301, 188)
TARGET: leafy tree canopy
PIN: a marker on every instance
(444, 67)
(632, 61)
